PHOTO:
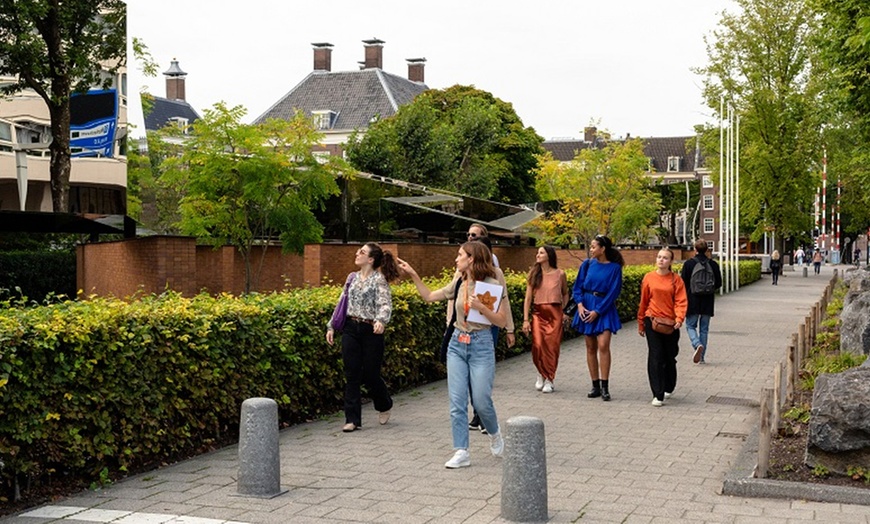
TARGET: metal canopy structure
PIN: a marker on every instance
(496, 215)
(47, 222)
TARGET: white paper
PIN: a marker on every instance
(481, 288)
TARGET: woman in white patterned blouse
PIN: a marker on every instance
(369, 307)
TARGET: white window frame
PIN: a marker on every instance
(709, 225)
(708, 203)
(323, 119)
(706, 181)
(710, 246)
(673, 164)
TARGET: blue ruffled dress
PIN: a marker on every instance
(597, 287)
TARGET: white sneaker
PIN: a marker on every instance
(657, 403)
(548, 387)
(539, 384)
(497, 445)
(667, 395)
(461, 459)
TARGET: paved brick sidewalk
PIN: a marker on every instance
(619, 461)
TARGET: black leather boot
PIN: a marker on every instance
(605, 392)
(596, 389)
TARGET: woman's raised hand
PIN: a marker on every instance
(406, 268)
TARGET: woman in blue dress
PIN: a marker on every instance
(596, 289)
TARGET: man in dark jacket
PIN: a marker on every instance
(700, 304)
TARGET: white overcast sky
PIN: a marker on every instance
(561, 63)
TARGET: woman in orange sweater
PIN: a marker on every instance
(662, 295)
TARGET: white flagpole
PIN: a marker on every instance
(720, 238)
(737, 211)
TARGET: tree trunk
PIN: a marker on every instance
(60, 166)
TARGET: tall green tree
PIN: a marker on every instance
(461, 138)
(602, 191)
(761, 62)
(246, 185)
(844, 41)
(56, 48)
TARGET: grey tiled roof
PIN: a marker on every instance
(564, 150)
(356, 96)
(164, 109)
(657, 148)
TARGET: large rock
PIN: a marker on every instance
(855, 317)
(839, 434)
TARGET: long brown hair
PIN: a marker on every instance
(481, 266)
(536, 275)
(384, 261)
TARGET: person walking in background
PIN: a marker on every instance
(817, 261)
(799, 256)
(369, 307)
(546, 296)
(598, 284)
(702, 277)
(470, 354)
(856, 257)
(478, 231)
(775, 266)
(662, 295)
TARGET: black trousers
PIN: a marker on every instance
(363, 355)
(661, 364)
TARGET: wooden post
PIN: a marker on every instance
(802, 343)
(777, 398)
(764, 434)
(790, 375)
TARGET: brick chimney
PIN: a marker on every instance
(589, 134)
(174, 81)
(415, 69)
(374, 54)
(322, 56)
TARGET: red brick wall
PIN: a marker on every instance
(152, 264)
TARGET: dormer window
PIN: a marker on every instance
(324, 120)
(673, 164)
(182, 123)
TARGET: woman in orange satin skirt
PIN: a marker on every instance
(546, 296)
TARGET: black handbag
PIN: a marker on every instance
(570, 308)
(448, 333)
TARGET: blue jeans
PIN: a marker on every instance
(470, 364)
(698, 326)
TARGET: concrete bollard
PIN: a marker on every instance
(806, 270)
(524, 475)
(259, 465)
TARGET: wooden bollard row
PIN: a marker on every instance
(772, 400)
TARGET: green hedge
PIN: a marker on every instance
(108, 384)
(37, 274)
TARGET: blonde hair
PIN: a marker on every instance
(775, 254)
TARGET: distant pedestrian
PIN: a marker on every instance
(856, 257)
(369, 307)
(817, 261)
(775, 266)
(662, 295)
(546, 296)
(799, 256)
(702, 277)
(598, 284)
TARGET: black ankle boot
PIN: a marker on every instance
(605, 391)
(596, 389)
